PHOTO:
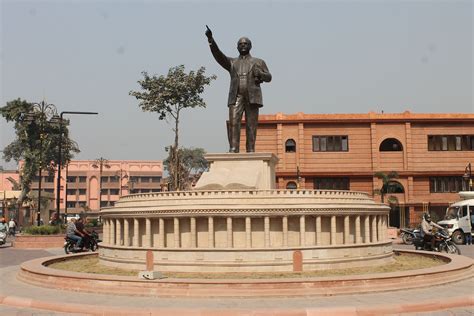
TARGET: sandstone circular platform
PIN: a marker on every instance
(246, 231)
(38, 273)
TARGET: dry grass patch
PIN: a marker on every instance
(402, 262)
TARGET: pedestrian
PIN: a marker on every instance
(468, 238)
(12, 227)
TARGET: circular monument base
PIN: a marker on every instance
(249, 260)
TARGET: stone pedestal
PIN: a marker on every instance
(240, 171)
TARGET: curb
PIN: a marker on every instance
(423, 306)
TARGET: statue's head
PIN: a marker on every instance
(244, 45)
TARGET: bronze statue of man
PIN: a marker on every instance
(245, 94)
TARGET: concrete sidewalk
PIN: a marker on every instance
(451, 297)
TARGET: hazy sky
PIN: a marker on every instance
(325, 57)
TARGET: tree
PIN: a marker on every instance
(191, 164)
(36, 143)
(168, 95)
(388, 183)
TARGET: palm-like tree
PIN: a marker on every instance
(388, 183)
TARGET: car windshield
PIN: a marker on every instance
(452, 212)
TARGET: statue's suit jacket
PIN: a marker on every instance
(253, 85)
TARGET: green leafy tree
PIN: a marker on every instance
(36, 143)
(191, 165)
(168, 96)
(389, 185)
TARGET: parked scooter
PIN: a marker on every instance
(443, 243)
(408, 235)
(92, 244)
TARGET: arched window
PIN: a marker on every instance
(395, 187)
(290, 146)
(291, 185)
(391, 144)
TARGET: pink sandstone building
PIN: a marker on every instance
(84, 186)
(430, 153)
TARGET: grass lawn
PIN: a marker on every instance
(402, 262)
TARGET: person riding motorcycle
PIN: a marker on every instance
(73, 233)
(83, 233)
(427, 226)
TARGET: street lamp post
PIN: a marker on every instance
(468, 176)
(58, 184)
(101, 163)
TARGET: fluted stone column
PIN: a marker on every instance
(302, 231)
(161, 227)
(136, 233)
(367, 229)
(346, 230)
(318, 231)
(285, 231)
(266, 228)
(148, 236)
(105, 238)
(379, 227)
(358, 238)
(112, 232)
(193, 232)
(248, 232)
(374, 228)
(229, 232)
(176, 232)
(210, 234)
(333, 229)
(126, 232)
(118, 237)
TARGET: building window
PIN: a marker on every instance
(114, 191)
(145, 179)
(71, 204)
(49, 190)
(291, 185)
(49, 179)
(71, 179)
(331, 183)
(115, 179)
(391, 144)
(104, 179)
(82, 179)
(450, 142)
(82, 203)
(71, 191)
(156, 179)
(103, 203)
(82, 191)
(330, 143)
(447, 184)
(290, 146)
(104, 192)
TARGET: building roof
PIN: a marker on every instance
(406, 116)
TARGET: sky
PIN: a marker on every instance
(324, 56)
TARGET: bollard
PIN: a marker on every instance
(297, 261)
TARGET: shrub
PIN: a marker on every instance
(44, 230)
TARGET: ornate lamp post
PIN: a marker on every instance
(100, 163)
(468, 176)
(41, 114)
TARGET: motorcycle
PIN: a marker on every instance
(408, 235)
(3, 238)
(92, 244)
(443, 243)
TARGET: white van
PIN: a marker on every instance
(459, 218)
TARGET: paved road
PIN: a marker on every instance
(466, 250)
(11, 258)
